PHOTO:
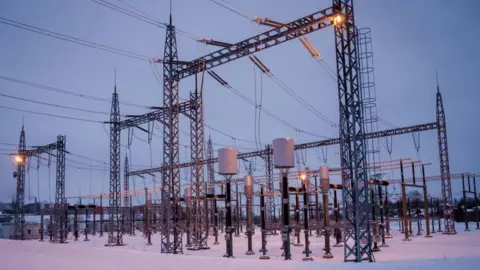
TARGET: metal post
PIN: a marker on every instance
(101, 216)
(148, 205)
(94, 218)
(425, 203)
(297, 218)
(262, 224)
(404, 205)
(387, 207)
(305, 221)
(317, 210)
(432, 207)
(337, 231)
(86, 224)
(439, 220)
(382, 225)
(286, 216)
(249, 196)
(42, 213)
(215, 221)
(476, 203)
(228, 227)
(465, 203)
(75, 223)
(237, 212)
(374, 218)
(409, 215)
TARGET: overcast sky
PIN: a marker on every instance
(411, 39)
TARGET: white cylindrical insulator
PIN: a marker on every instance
(188, 195)
(283, 153)
(227, 161)
(248, 183)
(324, 178)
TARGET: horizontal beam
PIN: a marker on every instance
(308, 24)
(157, 115)
(372, 135)
(39, 150)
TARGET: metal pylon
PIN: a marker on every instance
(171, 231)
(356, 204)
(270, 203)
(60, 218)
(447, 198)
(19, 219)
(199, 212)
(115, 237)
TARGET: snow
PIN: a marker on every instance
(461, 251)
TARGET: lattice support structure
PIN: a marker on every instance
(356, 205)
(115, 236)
(445, 167)
(19, 218)
(126, 198)
(199, 205)
(60, 218)
(171, 232)
(270, 203)
(211, 178)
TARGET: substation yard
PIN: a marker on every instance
(461, 251)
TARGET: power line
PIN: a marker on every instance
(66, 92)
(74, 40)
(51, 115)
(145, 17)
(55, 105)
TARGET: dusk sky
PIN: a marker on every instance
(411, 40)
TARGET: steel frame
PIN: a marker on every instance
(115, 233)
(171, 225)
(60, 220)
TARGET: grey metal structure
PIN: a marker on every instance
(171, 232)
(60, 218)
(115, 233)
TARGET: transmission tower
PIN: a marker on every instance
(199, 205)
(115, 237)
(171, 231)
(356, 204)
(60, 219)
(19, 219)
(444, 167)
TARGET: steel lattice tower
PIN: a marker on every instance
(60, 218)
(211, 176)
(171, 149)
(199, 212)
(270, 203)
(115, 236)
(444, 167)
(126, 197)
(356, 205)
(19, 219)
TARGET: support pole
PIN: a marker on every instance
(228, 221)
(286, 216)
(42, 213)
(464, 203)
(425, 203)
(382, 225)
(248, 186)
(404, 205)
(305, 222)
(262, 224)
(476, 203)
(75, 223)
(317, 208)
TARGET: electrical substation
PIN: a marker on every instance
(353, 208)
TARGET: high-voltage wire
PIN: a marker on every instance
(238, 93)
(66, 92)
(51, 115)
(145, 18)
(55, 105)
(74, 40)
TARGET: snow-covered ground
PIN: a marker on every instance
(461, 251)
